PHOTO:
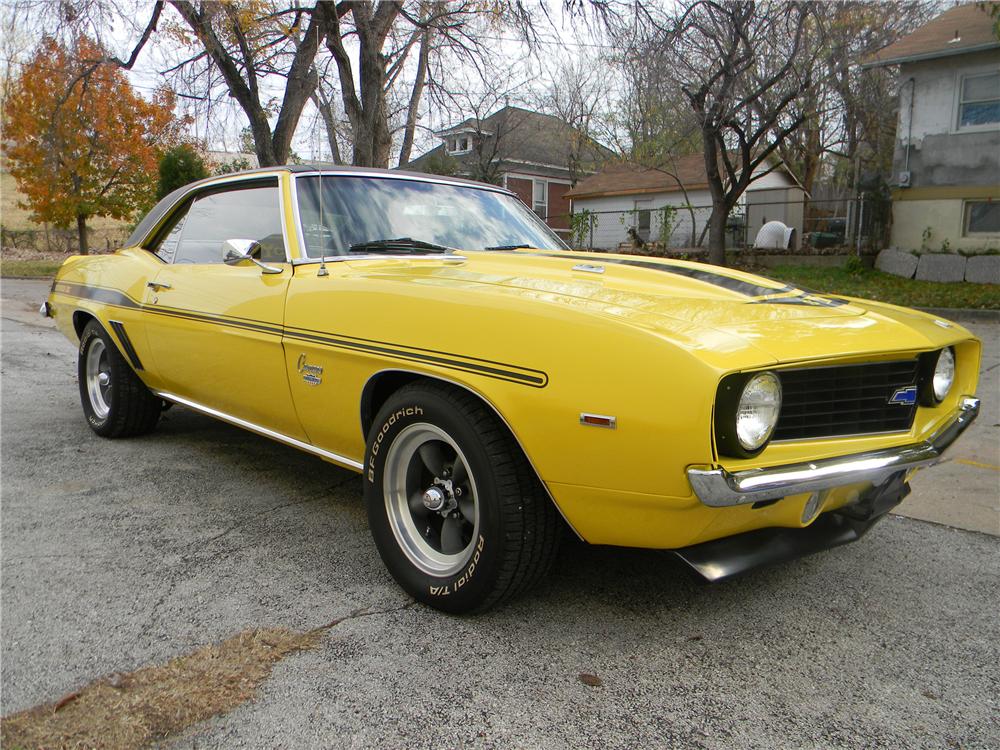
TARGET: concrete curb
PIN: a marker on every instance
(964, 314)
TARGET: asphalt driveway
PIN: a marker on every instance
(118, 554)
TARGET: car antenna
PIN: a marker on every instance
(322, 257)
(322, 228)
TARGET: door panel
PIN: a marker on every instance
(215, 334)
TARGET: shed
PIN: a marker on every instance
(624, 196)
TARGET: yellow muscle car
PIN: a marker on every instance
(494, 388)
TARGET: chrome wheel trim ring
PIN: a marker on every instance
(399, 488)
(97, 372)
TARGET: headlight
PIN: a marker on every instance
(746, 410)
(757, 412)
(944, 374)
(937, 375)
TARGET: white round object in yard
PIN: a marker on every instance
(774, 236)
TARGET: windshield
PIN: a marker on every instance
(359, 211)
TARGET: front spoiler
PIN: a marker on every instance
(720, 488)
(730, 556)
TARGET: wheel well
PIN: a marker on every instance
(80, 320)
(383, 384)
(377, 391)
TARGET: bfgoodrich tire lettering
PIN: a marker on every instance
(458, 516)
(115, 402)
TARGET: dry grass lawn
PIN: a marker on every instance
(15, 217)
(126, 711)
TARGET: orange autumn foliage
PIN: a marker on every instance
(79, 145)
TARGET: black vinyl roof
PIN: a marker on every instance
(163, 207)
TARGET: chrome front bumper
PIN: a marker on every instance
(720, 488)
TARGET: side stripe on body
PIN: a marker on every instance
(488, 368)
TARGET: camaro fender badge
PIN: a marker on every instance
(312, 374)
(904, 396)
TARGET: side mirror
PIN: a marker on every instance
(240, 253)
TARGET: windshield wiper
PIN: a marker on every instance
(507, 247)
(398, 244)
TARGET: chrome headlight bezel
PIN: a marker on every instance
(937, 376)
(736, 393)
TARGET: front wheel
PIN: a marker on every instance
(115, 402)
(458, 516)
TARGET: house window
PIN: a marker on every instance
(643, 216)
(458, 144)
(981, 217)
(540, 197)
(979, 100)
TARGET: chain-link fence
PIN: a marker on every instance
(830, 226)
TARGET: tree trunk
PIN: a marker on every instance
(372, 142)
(720, 205)
(717, 233)
(81, 231)
(415, 95)
(325, 108)
(365, 105)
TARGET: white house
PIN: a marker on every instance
(623, 196)
(946, 186)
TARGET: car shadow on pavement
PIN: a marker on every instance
(323, 536)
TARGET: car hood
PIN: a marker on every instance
(784, 321)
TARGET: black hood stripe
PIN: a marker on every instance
(804, 299)
(720, 280)
(709, 277)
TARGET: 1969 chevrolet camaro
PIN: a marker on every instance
(493, 387)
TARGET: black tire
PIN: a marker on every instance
(125, 407)
(517, 531)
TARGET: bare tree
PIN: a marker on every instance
(578, 96)
(246, 47)
(653, 114)
(741, 69)
(425, 32)
(243, 44)
(365, 102)
(325, 106)
(15, 43)
(848, 106)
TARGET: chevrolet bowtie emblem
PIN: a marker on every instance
(904, 396)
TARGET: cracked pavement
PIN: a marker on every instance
(118, 554)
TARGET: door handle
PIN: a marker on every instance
(157, 285)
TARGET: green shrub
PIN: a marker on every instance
(853, 265)
(180, 166)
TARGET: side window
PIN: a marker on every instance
(249, 214)
(166, 247)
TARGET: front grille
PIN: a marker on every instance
(844, 400)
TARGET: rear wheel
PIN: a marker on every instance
(115, 402)
(458, 515)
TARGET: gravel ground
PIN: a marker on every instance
(117, 554)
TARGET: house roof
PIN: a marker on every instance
(957, 31)
(526, 137)
(624, 178)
